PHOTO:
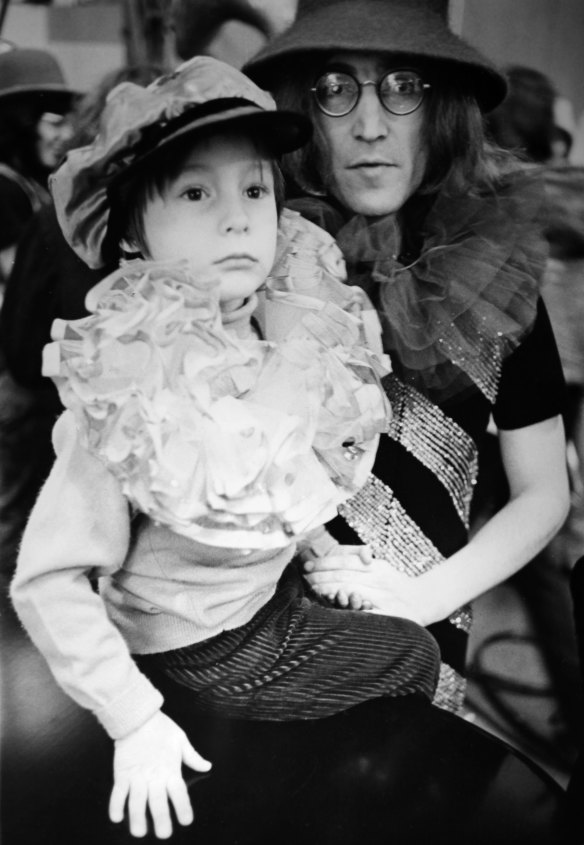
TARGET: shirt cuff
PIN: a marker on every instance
(131, 710)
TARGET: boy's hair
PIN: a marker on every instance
(130, 198)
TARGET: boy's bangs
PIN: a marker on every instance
(151, 177)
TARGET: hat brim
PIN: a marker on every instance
(279, 131)
(371, 26)
(51, 98)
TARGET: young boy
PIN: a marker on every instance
(197, 457)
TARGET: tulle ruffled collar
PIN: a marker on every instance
(461, 301)
(233, 441)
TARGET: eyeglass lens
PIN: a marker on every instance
(400, 92)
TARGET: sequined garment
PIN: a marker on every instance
(454, 306)
(379, 519)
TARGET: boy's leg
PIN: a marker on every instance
(300, 659)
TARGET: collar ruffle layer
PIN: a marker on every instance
(234, 441)
(451, 314)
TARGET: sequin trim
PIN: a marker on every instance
(436, 441)
(482, 363)
(379, 519)
(451, 690)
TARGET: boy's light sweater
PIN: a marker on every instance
(165, 596)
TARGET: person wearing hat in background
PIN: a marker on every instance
(34, 102)
(34, 127)
(47, 280)
(195, 457)
(438, 227)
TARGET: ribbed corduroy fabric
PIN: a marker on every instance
(300, 659)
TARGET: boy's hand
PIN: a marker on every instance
(147, 774)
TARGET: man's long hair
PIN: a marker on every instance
(460, 157)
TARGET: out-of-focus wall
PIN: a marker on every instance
(87, 40)
(547, 35)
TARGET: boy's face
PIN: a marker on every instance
(219, 213)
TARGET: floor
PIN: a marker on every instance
(505, 644)
(444, 776)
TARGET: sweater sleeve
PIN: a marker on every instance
(79, 529)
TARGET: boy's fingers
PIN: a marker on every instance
(159, 810)
(194, 760)
(330, 581)
(342, 598)
(334, 563)
(117, 802)
(179, 795)
(137, 810)
(366, 555)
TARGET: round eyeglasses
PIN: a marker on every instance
(399, 91)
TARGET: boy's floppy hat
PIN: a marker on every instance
(26, 73)
(138, 122)
(413, 28)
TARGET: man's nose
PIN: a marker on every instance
(371, 122)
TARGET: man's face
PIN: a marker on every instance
(378, 159)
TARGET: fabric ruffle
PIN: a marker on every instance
(232, 442)
(453, 314)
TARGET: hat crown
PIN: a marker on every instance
(200, 80)
(23, 68)
(416, 29)
(307, 7)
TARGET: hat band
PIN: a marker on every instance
(154, 135)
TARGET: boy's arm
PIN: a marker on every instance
(79, 527)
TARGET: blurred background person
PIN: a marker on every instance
(526, 122)
(34, 128)
(47, 280)
(34, 103)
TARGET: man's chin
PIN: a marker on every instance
(370, 202)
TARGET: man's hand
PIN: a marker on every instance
(352, 578)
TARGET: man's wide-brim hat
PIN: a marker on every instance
(138, 123)
(412, 28)
(27, 73)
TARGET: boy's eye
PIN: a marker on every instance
(256, 192)
(193, 194)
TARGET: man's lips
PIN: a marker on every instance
(369, 163)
